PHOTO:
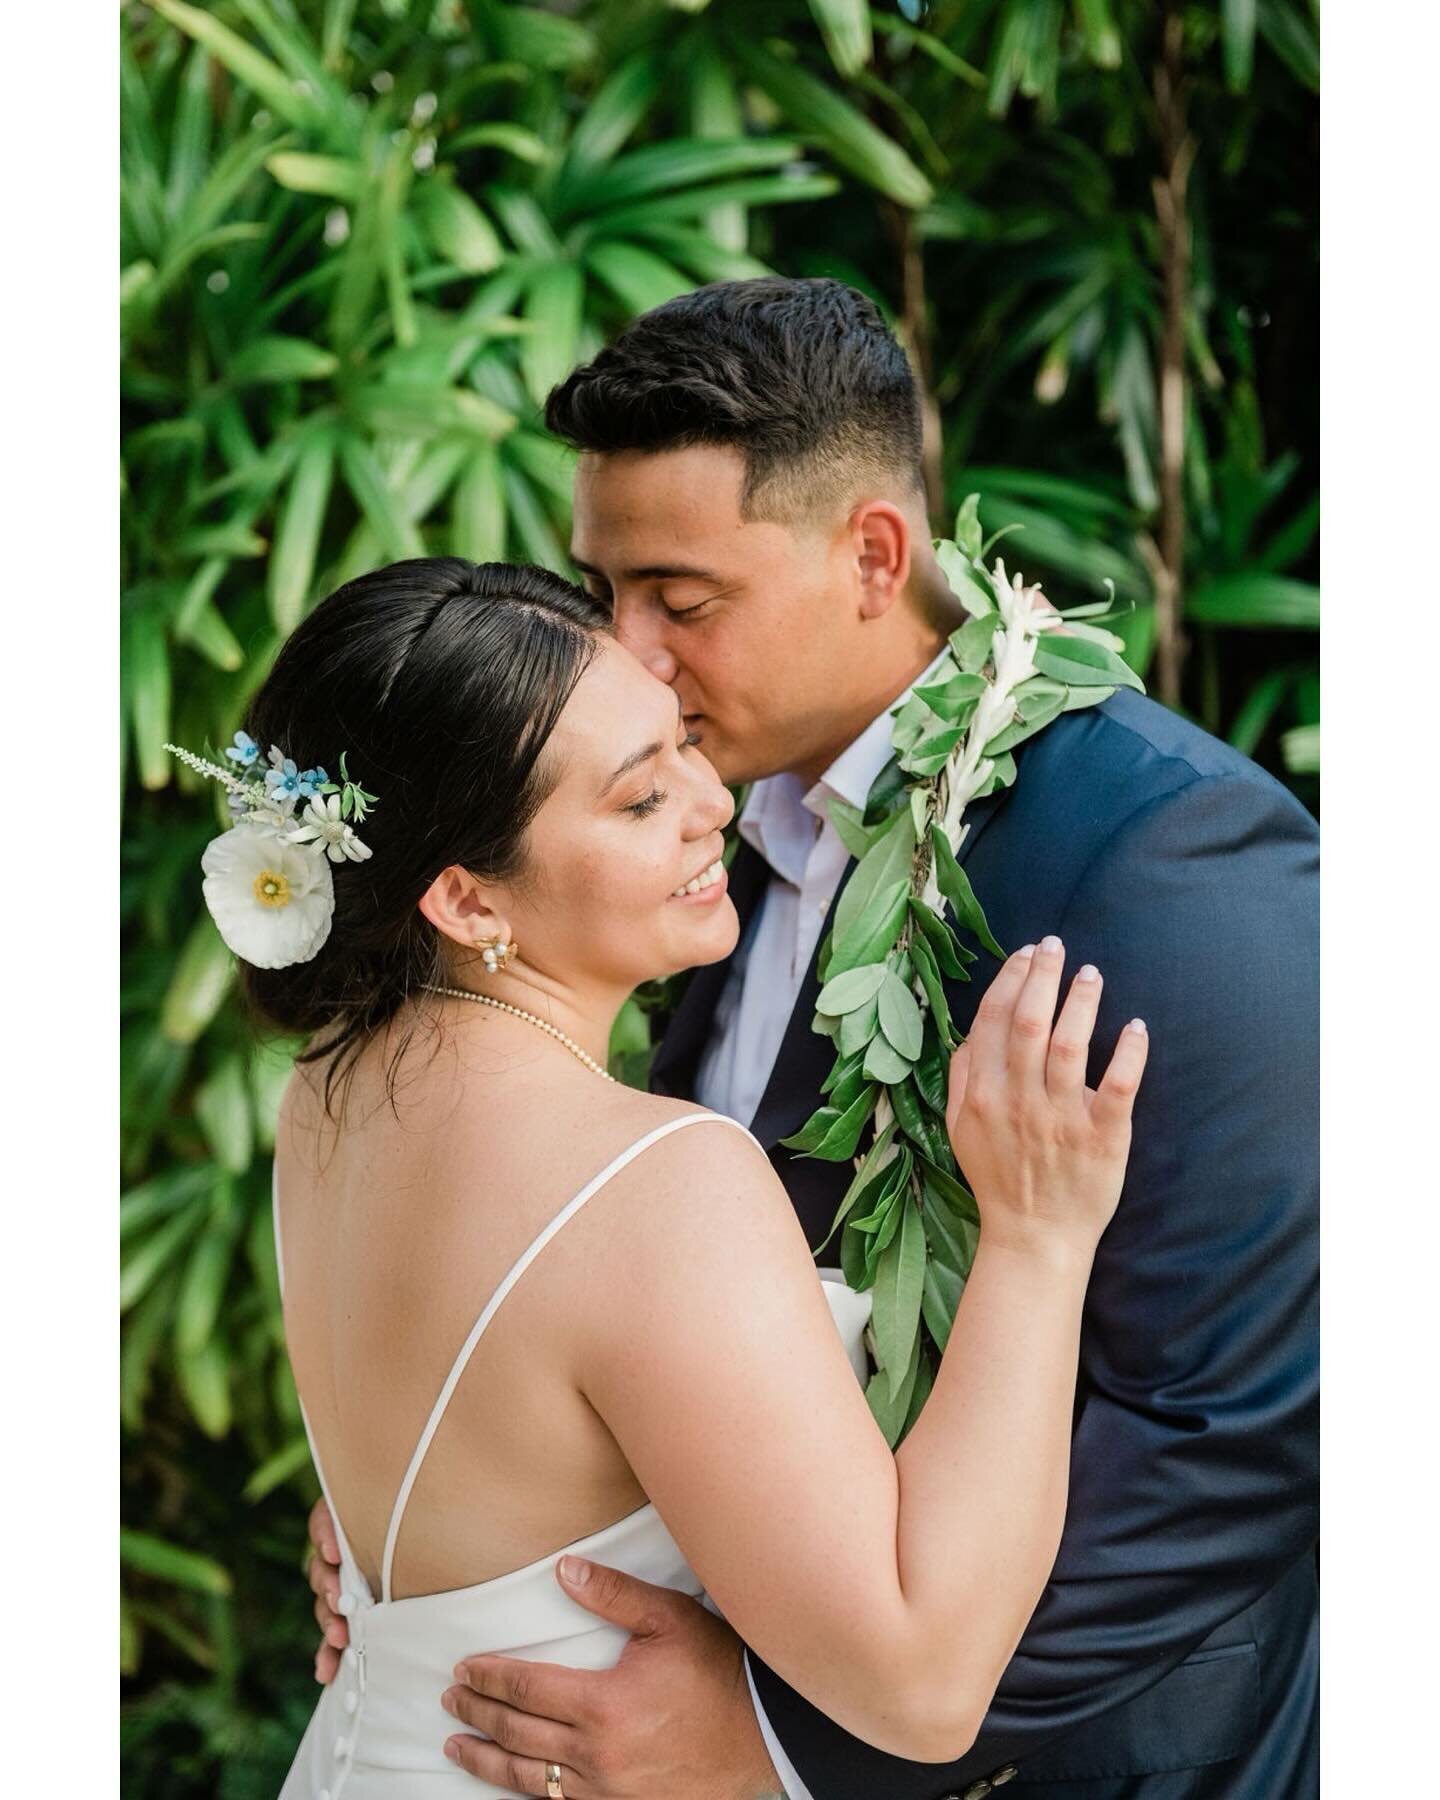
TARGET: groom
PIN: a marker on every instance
(749, 502)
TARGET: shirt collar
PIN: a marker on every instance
(780, 812)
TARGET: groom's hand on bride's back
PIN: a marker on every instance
(324, 1572)
(673, 1717)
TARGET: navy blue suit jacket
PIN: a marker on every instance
(1174, 1650)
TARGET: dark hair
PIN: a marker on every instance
(441, 681)
(803, 378)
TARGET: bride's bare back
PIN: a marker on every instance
(399, 1222)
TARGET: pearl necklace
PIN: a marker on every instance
(518, 1012)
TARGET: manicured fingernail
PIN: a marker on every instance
(1088, 973)
(574, 1570)
(1137, 1025)
(1027, 950)
(1051, 946)
(452, 1748)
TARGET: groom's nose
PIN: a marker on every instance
(643, 635)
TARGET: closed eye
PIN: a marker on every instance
(642, 809)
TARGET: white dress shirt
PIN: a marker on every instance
(790, 825)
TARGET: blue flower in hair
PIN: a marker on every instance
(311, 782)
(244, 750)
(283, 784)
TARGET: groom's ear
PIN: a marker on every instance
(880, 533)
(463, 908)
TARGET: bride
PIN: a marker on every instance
(530, 1310)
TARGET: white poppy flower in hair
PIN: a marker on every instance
(322, 826)
(272, 900)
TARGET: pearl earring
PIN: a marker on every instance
(496, 954)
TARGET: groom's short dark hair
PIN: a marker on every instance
(803, 378)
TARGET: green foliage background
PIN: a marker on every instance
(361, 238)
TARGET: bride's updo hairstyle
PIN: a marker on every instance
(441, 681)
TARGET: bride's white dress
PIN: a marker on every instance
(379, 1730)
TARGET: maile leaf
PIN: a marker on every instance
(844, 992)
(969, 585)
(900, 1017)
(968, 534)
(950, 954)
(831, 1135)
(872, 934)
(857, 1029)
(955, 886)
(873, 1166)
(884, 1063)
(1080, 663)
(899, 1284)
(971, 644)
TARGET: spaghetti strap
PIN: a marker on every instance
(477, 1331)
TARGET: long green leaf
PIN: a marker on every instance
(145, 1261)
(205, 1381)
(478, 511)
(1255, 601)
(758, 190)
(1293, 38)
(199, 985)
(147, 675)
(899, 1285)
(277, 1469)
(222, 1108)
(818, 113)
(500, 134)
(366, 481)
(458, 229)
(554, 306)
(638, 278)
(282, 359)
(1237, 35)
(305, 173)
(611, 116)
(168, 1562)
(297, 534)
(677, 163)
(263, 77)
(845, 26)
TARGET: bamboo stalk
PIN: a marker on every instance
(1177, 153)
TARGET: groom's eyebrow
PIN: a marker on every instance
(651, 572)
(636, 757)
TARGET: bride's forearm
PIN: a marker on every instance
(983, 1476)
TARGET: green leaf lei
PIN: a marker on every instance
(908, 1225)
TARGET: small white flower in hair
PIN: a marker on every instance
(322, 827)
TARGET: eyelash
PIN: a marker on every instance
(652, 803)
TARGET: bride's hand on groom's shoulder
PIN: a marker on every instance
(1044, 1154)
(323, 1570)
(673, 1716)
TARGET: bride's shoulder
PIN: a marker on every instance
(691, 1167)
(682, 1131)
